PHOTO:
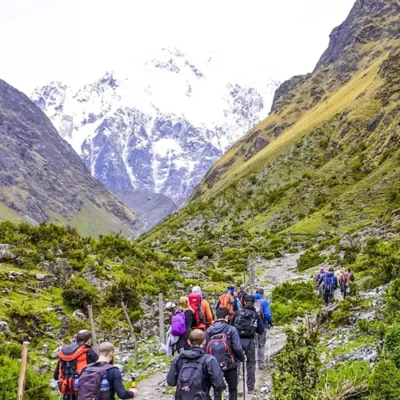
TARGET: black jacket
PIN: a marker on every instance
(183, 340)
(114, 378)
(92, 357)
(212, 374)
(220, 326)
(260, 325)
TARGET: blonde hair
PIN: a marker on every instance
(106, 348)
(183, 303)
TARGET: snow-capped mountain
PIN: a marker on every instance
(159, 130)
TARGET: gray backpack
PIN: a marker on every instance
(90, 382)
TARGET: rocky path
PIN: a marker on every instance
(269, 274)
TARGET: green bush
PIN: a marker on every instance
(310, 259)
(384, 383)
(204, 251)
(79, 294)
(124, 290)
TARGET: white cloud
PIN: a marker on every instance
(76, 41)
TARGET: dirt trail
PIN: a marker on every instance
(269, 274)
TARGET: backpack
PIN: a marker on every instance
(258, 305)
(195, 304)
(245, 323)
(72, 360)
(190, 380)
(329, 283)
(227, 301)
(90, 382)
(219, 347)
(352, 277)
(178, 323)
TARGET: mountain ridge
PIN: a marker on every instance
(43, 179)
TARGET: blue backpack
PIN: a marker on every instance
(329, 282)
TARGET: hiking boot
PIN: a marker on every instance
(261, 367)
(250, 391)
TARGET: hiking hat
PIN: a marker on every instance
(231, 289)
(196, 289)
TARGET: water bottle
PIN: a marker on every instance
(105, 386)
(76, 382)
(133, 386)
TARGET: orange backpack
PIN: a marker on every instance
(226, 301)
(72, 360)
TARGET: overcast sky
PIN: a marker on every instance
(76, 41)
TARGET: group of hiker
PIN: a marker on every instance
(329, 281)
(211, 352)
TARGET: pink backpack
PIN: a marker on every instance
(178, 323)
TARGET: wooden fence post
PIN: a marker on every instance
(93, 329)
(252, 275)
(133, 336)
(161, 305)
(24, 361)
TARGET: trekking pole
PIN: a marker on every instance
(268, 347)
(244, 380)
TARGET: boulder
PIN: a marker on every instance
(79, 315)
(45, 281)
(5, 252)
(4, 328)
(61, 269)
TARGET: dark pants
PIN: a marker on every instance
(328, 296)
(231, 378)
(249, 348)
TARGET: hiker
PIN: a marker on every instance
(320, 274)
(223, 342)
(201, 308)
(82, 354)
(102, 380)
(188, 314)
(263, 309)
(230, 301)
(194, 372)
(248, 322)
(329, 282)
(242, 294)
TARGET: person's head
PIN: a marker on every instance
(106, 352)
(204, 295)
(196, 289)
(222, 313)
(331, 269)
(183, 303)
(322, 270)
(243, 287)
(230, 289)
(249, 300)
(84, 337)
(197, 338)
(349, 270)
(260, 291)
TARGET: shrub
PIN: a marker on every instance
(78, 293)
(204, 251)
(384, 383)
(310, 259)
(124, 290)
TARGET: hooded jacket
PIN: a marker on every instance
(220, 326)
(212, 374)
(266, 310)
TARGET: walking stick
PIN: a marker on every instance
(268, 346)
(244, 380)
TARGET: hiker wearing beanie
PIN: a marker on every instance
(248, 322)
(201, 307)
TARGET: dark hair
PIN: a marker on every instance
(83, 336)
(221, 312)
(260, 291)
(331, 269)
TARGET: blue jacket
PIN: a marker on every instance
(266, 310)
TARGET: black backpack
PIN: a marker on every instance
(245, 323)
(190, 380)
(90, 382)
(219, 347)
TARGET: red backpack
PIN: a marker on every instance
(72, 360)
(195, 304)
